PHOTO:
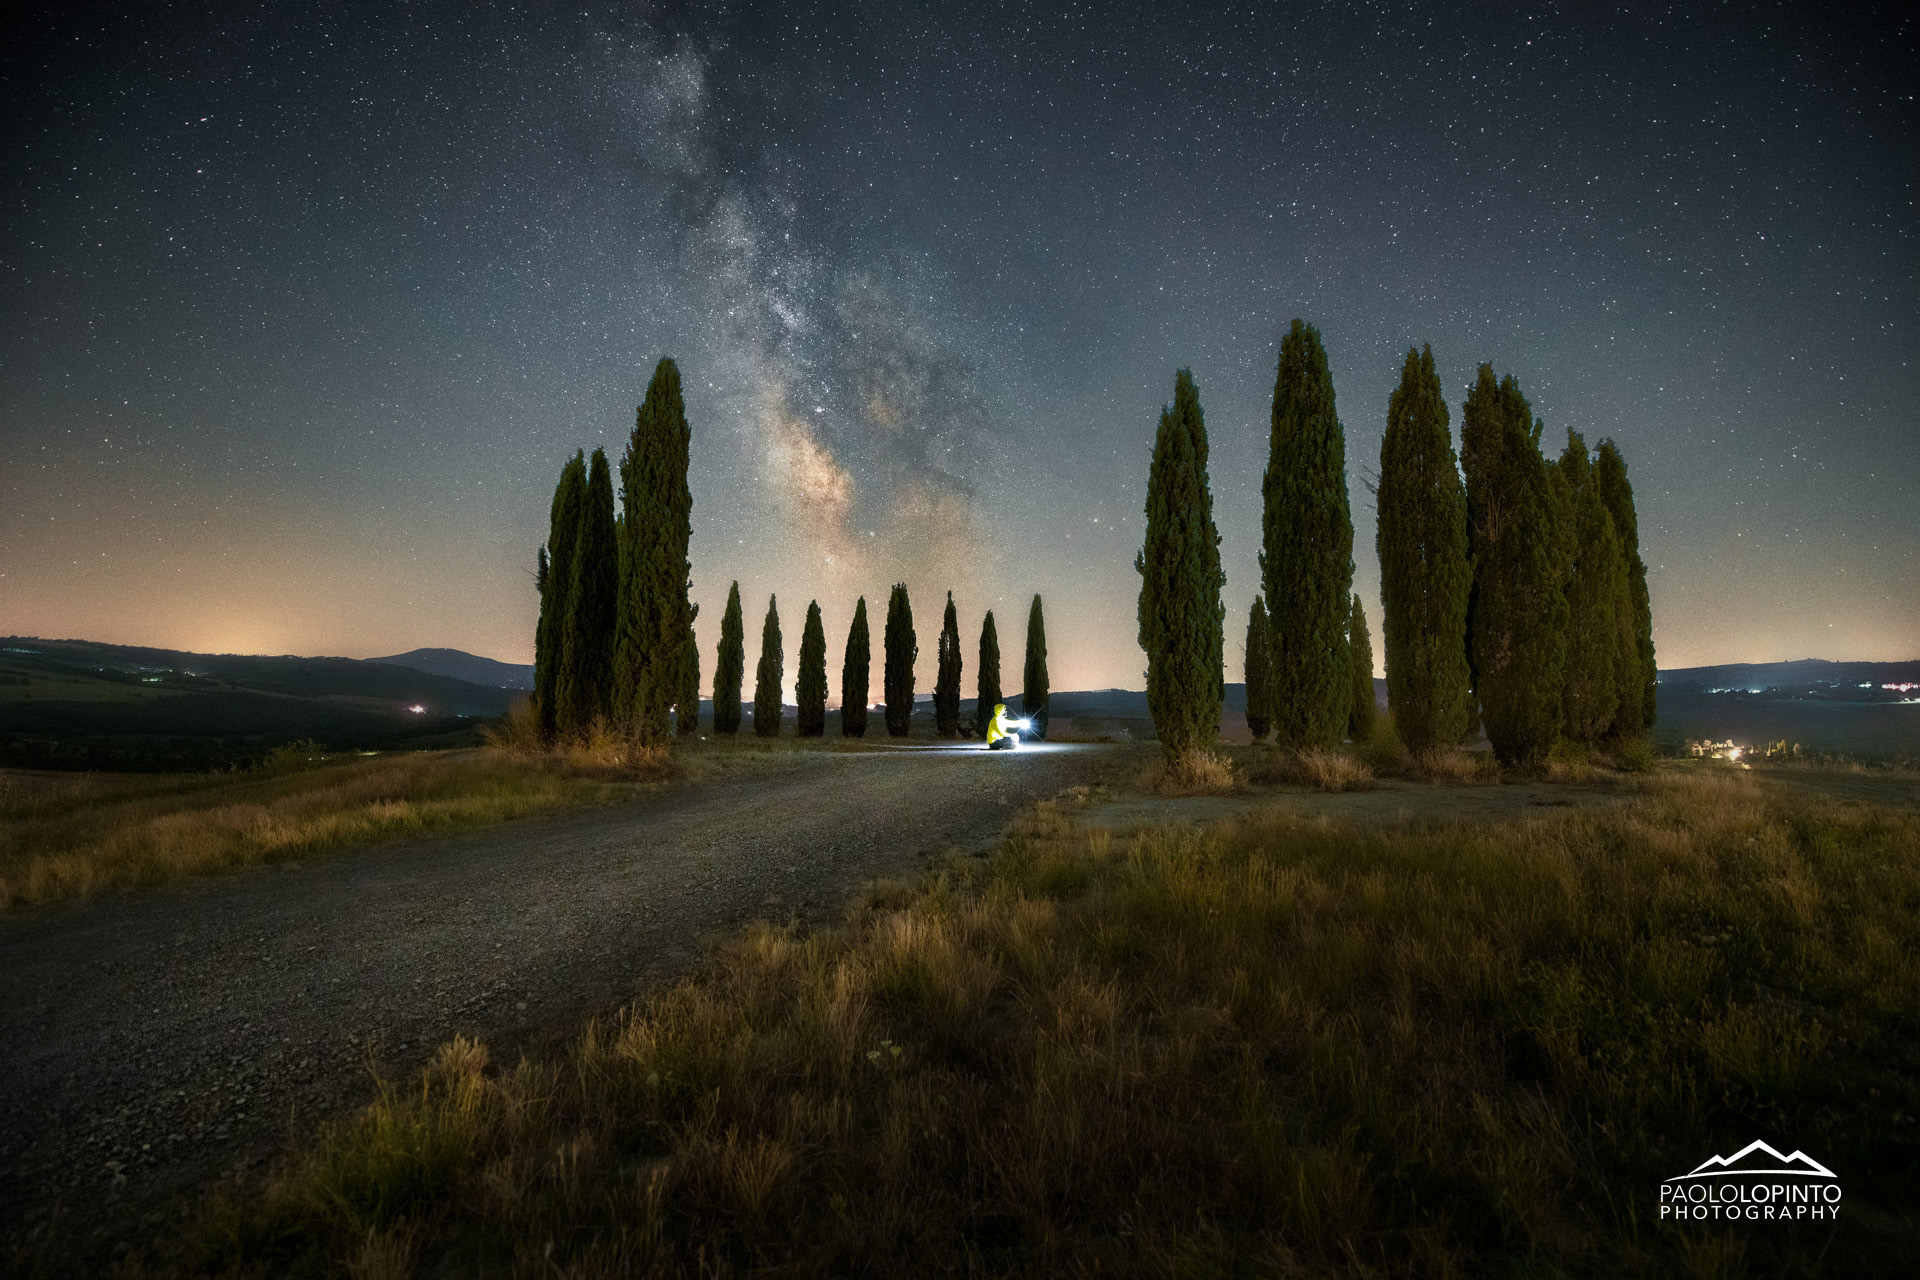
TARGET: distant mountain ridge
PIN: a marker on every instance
(458, 664)
(78, 704)
(1856, 708)
(1788, 677)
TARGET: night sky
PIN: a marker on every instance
(303, 306)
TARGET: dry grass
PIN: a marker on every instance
(1320, 769)
(82, 835)
(1277, 1047)
(1455, 766)
(1195, 773)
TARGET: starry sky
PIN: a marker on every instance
(302, 307)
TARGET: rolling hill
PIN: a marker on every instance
(81, 704)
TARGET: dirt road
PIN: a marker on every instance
(155, 1041)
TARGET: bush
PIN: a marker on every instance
(517, 732)
(292, 757)
(1634, 755)
(1380, 747)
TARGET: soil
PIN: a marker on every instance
(157, 1041)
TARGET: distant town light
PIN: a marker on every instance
(417, 709)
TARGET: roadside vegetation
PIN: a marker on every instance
(70, 836)
(1278, 1045)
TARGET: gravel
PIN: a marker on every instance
(158, 1041)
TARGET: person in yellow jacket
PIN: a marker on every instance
(1000, 730)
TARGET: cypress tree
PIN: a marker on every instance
(729, 666)
(585, 689)
(946, 686)
(1637, 677)
(655, 526)
(563, 536)
(854, 671)
(902, 650)
(1596, 592)
(1425, 577)
(1360, 645)
(768, 676)
(1181, 617)
(686, 711)
(1035, 699)
(812, 693)
(1259, 672)
(1518, 613)
(1306, 560)
(987, 685)
(543, 642)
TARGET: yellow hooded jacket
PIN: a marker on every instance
(997, 727)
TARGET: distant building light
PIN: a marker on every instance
(417, 709)
(1901, 688)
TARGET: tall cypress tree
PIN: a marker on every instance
(543, 644)
(686, 711)
(1259, 672)
(1035, 698)
(812, 692)
(946, 685)
(987, 684)
(563, 536)
(585, 690)
(1306, 561)
(1518, 615)
(1360, 645)
(1636, 679)
(1424, 574)
(729, 666)
(1596, 598)
(855, 669)
(769, 676)
(655, 526)
(1181, 617)
(902, 650)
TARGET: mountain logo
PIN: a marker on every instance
(1754, 1183)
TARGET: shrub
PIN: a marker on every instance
(1193, 773)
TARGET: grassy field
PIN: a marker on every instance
(70, 836)
(1274, 1046)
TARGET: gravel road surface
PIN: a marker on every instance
(157, 1041)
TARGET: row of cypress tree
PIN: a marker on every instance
(900, 648)
(614, 644)
(1517, 600)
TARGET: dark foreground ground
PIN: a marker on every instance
(154, 1042)
(158, 1041)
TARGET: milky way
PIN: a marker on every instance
(301, 315)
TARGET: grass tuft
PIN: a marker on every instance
(1320, 769)
(1193, 773)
